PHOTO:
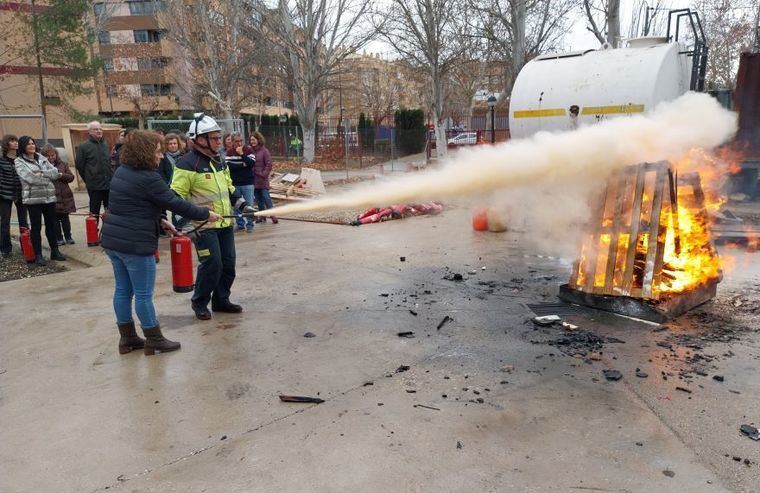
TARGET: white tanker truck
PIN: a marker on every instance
(558, 92)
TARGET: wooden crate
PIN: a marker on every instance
(622, 255)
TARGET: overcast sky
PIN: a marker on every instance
(578, 37)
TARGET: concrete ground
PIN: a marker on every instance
(489, 402)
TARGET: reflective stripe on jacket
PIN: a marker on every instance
(206, 183)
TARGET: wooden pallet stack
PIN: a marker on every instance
(290, 186)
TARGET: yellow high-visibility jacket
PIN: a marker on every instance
(206, 183)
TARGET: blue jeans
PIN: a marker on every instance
(135, 277)
(263, 198)
(247, 192)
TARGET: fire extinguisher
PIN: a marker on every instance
(157, 256)
(182, 263)
(26, 245)
(91, 226)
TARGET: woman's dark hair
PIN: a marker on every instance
(260, 138)
(7, 139)
(139, 149)
(23, 141)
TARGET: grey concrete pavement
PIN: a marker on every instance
(77, 416)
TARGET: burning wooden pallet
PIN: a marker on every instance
(649, 254)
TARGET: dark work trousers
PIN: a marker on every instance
(5, 223)
(216, 269)
(36, 213)
(64, 225)
(97, 197)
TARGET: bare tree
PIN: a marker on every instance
(214, 39)
(431, 35)
(467, 78)
(381, 91)
(519, 30)
(730, 29)
(603, 20)
(313, 37)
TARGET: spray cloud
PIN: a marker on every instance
(570, 164)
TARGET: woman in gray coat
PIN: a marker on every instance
(38, 177)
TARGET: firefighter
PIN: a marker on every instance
(201, 178)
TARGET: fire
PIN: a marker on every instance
(698, 262)
(671, 251)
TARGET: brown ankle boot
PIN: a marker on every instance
(155, 341)
(129, 339)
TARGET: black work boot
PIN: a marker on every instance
(40, 261)
(56, 254)
(129, 339)
(226, 307)
(201, 312)
(155, 341)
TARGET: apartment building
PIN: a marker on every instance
(139, 65)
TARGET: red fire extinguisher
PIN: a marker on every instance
(91, 226)
(26, 245)
(182, 263)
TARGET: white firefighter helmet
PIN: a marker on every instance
(202, 124)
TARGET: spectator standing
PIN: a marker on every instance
(172, 154)
(93, 162)
(202, 178)
(261, 171)
(117, 148)
(130, 237)
(64, 197)
(38, 178)
(10, 193)
(241, 171)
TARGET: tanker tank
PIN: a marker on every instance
(558, 92)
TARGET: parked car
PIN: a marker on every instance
(466, 138)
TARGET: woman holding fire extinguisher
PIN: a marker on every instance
(138, 198)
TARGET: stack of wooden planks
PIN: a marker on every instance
(290, 186)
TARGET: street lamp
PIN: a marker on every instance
(492, 108)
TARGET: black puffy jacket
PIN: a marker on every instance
(10, 185)
(136, 201)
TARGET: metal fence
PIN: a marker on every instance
(183, 125)
(34, 125)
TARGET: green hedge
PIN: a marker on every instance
(410, 131)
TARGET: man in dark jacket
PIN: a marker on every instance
(93, 162)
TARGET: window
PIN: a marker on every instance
(145, 7)
(111, 91)
(99, 9)
(155, 89)
(148, 36)
(107, 65)
(152, 63)
(104, 37)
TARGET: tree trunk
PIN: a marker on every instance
(519, 17)
(308, 143)
(613, 23)
(437, 109)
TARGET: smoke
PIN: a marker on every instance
(545, 180)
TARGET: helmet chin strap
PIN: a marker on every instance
(210, 153)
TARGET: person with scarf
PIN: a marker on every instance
(64, 197)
